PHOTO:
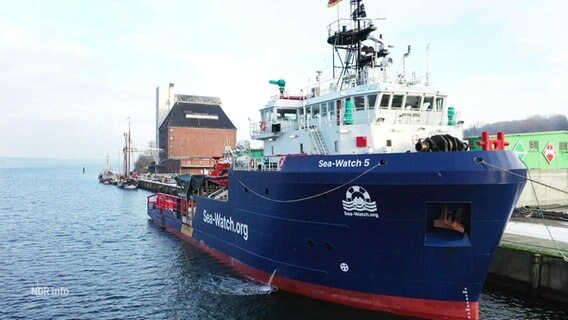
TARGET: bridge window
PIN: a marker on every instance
(360, 103)
(385, 101)
(316, 111)
(331, 108)
(372, 99)
(412, 102)
(428, 103)
(287, 114)
(397, 101)
(266, 114)
(439, 104)
(323, 109)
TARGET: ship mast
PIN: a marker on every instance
(346, 37)
(356, 13)
(108, 165)
(126, 150)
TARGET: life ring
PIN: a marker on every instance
(252, 163)
(350, 195)
(281, 162)
(263, 125)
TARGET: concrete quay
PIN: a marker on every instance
(528, 260)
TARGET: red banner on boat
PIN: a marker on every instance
(332, 3)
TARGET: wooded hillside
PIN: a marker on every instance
(533, 124)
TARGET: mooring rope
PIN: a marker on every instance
(529, 178)
(380, 163)
(544, 219)
(481, 161)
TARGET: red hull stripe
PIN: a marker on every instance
(424, 308)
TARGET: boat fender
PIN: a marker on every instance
(252, 163)
(263, 125)
(281, 162)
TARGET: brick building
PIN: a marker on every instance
(192, 134)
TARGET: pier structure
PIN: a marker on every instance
(532, 258)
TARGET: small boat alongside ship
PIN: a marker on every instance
(366, 195)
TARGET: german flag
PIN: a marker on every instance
(332, 3)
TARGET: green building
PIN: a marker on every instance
(546, 156)
(538, 150)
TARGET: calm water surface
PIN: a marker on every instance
(94, 252)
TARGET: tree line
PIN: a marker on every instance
(555, 122)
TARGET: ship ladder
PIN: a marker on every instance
(317, 138)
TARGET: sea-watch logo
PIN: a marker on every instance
(358, 203)
(226, 223)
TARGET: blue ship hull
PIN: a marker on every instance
(360, 229)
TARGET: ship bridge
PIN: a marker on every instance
(370, 118)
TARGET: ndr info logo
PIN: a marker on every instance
(49, 291)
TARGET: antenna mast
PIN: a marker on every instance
(428, 64)
(404, 64)
(346, 36)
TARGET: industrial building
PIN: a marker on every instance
(546, 156)
(191, 131)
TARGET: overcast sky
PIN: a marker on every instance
(72, 72)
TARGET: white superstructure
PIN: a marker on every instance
(361, 110)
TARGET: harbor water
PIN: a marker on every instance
(71, 248)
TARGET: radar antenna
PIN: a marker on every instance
(350, 56)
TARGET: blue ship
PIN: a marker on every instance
(366, 194)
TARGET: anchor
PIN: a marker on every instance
(445, 220)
